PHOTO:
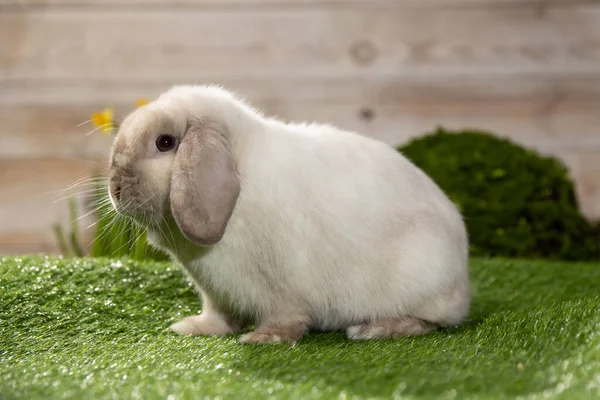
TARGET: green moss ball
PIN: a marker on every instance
(516, 203)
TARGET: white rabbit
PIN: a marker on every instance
(289, 227)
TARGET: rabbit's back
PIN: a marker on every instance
(338, 226)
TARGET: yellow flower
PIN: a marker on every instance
(104, 120)
(141, 102)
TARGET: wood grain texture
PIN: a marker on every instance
(19, 244)
(41, 120)
(584, 167)
(40, 131)
(390, 69)
(545, 122)
(374, 88)
(292, 3)
(318, 42)
(32, 199)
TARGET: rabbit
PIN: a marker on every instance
(289, 227)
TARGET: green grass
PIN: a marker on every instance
(97, 328)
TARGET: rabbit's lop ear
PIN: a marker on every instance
(204, 184)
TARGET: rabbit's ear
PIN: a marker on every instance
(204, 183)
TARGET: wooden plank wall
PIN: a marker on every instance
(527, 69)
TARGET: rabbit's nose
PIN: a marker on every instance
(115, 188)
(117, 192)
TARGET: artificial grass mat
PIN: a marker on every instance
(97, 328)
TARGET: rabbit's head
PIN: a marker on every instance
(172, 160)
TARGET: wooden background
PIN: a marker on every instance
(527, 69)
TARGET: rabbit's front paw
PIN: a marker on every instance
(203, 324)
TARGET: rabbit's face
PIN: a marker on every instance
(172, 160)
(141, 163)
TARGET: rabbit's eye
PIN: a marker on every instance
(165, 142)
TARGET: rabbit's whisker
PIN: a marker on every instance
(81, 193)
(83, 123)
(120, 219)
(169, 230)
(107, 214)
(109, 124)
(73, 185)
